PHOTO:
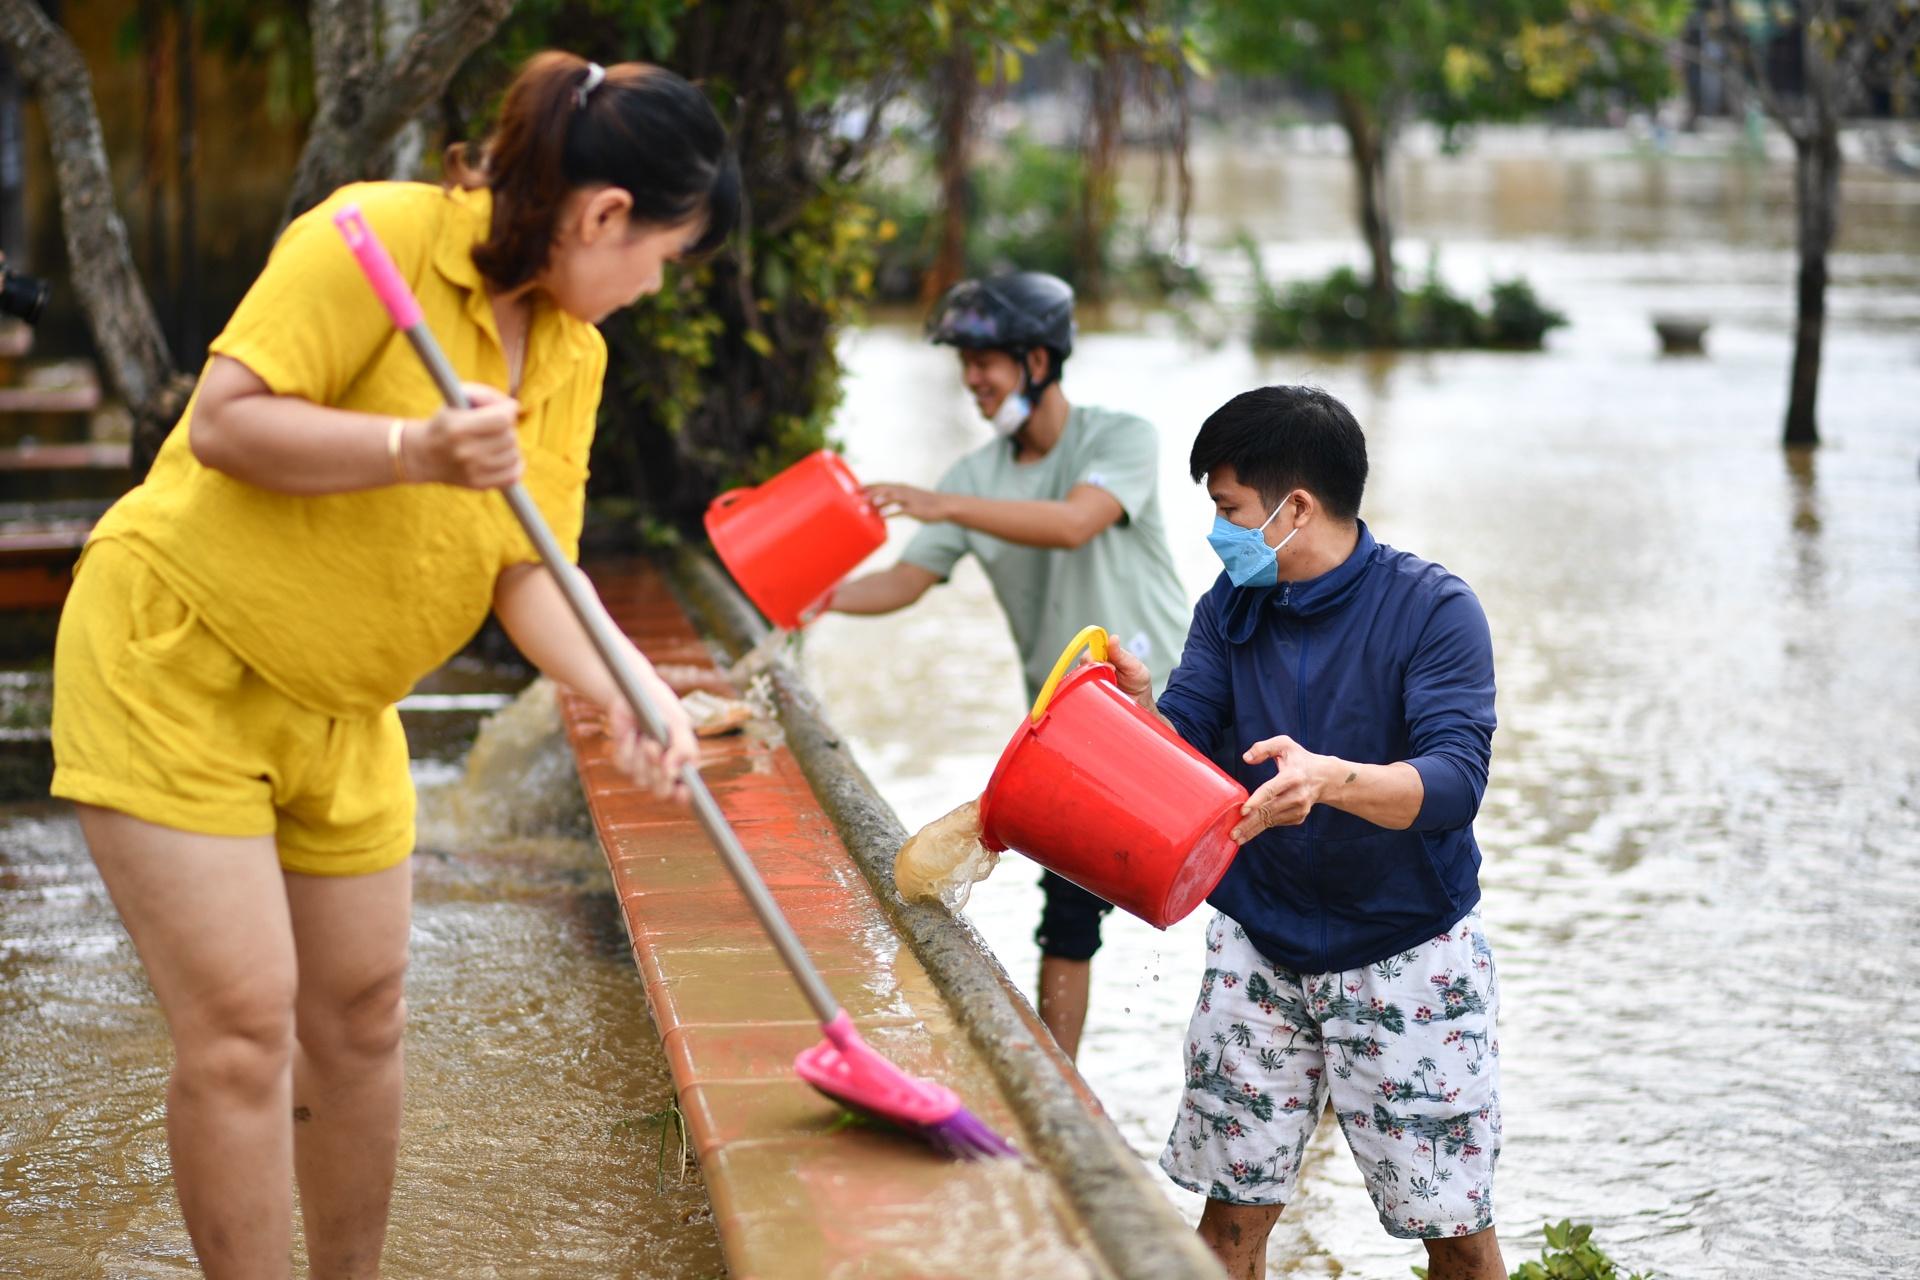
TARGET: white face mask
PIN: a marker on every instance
(1011, 415)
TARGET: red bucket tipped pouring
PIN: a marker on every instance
(1098, 790)
(789, 542)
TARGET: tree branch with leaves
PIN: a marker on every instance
(1383, 63)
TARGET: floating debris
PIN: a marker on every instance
(713, 715)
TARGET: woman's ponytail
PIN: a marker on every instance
(637, 127)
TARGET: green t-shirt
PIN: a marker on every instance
(1122, 580)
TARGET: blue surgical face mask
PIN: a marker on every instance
(1249, 560)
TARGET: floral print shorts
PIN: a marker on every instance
(1404, 1050)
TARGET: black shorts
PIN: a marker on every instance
(1070, 921)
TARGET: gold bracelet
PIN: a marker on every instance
(396, 440)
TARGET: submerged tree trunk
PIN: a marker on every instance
(1817, 203)
(1368, 140)
(1100, 149)
(126, 331)
(1816, 174)
(959, 95)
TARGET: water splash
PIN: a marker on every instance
(518, 779)
(944, 859)
(762, 656)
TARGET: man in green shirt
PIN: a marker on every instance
(1062, 509)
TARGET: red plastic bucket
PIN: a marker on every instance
(789, 542)
(1104, 793)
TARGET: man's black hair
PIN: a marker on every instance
(1278, 439)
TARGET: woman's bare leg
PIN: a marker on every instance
(350, 933)
(208, 915)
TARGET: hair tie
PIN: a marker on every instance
(595, 74)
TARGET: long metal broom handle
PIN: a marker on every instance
(606, 637)
(397, 297)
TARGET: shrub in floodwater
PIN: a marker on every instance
(1519, 318)
(1332, 313)
(1569, 1254)
(1435, 316)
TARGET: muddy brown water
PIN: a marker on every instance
(1702, 830)
(535, 1141)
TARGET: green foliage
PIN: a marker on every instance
(1326, 314)
(1519, 318)
(1432, 315)
(1453, 61)
(732, 374)
(1025, 204)
(1570, 1254)
(1332, 314)
(1026, 195)
(607, 31)
(904, 200)
(270, 34)
(669, 340)
(666, 352)
(1026, 211)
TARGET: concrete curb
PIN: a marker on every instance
(1137, 1230)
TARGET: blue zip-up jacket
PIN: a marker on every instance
(1385, 658)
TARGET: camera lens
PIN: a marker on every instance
(23, 296)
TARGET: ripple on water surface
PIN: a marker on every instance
(1702, 832)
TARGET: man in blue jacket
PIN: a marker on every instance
(1349, 686)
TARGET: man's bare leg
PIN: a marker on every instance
(1474, 1257)
(1065, 987)
(1237, 1234)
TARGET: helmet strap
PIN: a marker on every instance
(1030, 388)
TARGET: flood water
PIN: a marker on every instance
(532, 1141)
(1702, 831)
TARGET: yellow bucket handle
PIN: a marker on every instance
(1094, 641)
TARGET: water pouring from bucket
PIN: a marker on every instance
(943, 860)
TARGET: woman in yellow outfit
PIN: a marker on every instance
(315, 536)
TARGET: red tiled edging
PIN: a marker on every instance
(795, 1192)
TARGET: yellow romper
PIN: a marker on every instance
(229, 657)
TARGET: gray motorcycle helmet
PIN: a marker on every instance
(1015, 313)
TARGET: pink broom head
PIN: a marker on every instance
(843, 1068)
